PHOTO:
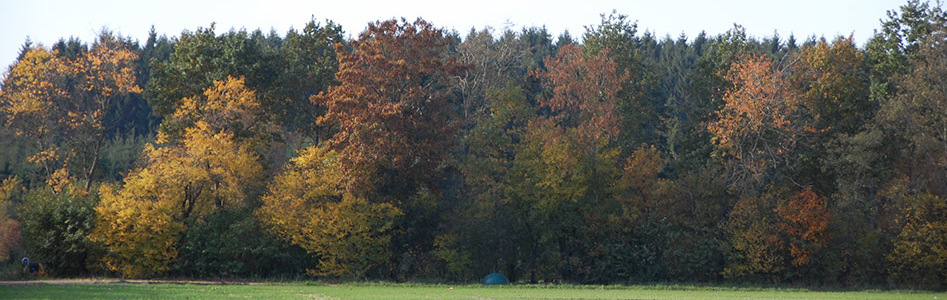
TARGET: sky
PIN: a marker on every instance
(45, 22)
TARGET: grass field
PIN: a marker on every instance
(113, 290)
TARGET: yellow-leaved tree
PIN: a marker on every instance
(103, 75)
(31, 91)
(62, 104)
(204, 170)
(138, 232)
(226, 106)
(140, 223)
(309, 206)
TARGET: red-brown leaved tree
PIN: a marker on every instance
(393, 107)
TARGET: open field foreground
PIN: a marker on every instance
(81, 289)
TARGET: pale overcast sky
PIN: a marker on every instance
(46, 22)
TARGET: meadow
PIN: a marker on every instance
(125, 290)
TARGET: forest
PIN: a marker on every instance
(413, 153)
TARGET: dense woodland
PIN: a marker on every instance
(413, 153)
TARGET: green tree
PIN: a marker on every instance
(55, 229)
(640, 112)
(860, 224)
(199, 58)
(233, 243)
(310, 64)
(919, 255)
(568, 162)
(891, 48)
(11, 193)
(917, 117)
(488, 228)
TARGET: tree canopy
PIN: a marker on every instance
(411, 152)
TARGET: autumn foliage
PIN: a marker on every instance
(755, 121)
(584, 92)
(62, 105)
(309, 206)
(207, 170)
(805, 220)
(412, 152)
(392, 107)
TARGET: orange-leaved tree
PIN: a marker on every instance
(584, 91)
(393, 107)
(805, 219)
(755, 127)
(393, 116)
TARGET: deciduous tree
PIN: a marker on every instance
(226, 106)
(919, 255)
(140, 223)
(11, 190)
(62, 105)
(309, 206)
(488, 226)
(757, 251)
(32, 90)
(565, 168)
(755, 127)
(103, 74)
(805, 219)
(618, 38)
(182, 181)
(833, 85)
(55, 229)
(584, 91)
(393, 105)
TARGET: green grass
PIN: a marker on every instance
(423, 291)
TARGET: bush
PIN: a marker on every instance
(231, 244)
(55, 229)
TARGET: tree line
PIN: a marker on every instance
(414, 153)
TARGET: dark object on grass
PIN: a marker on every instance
(29, 267)
(495, 279)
